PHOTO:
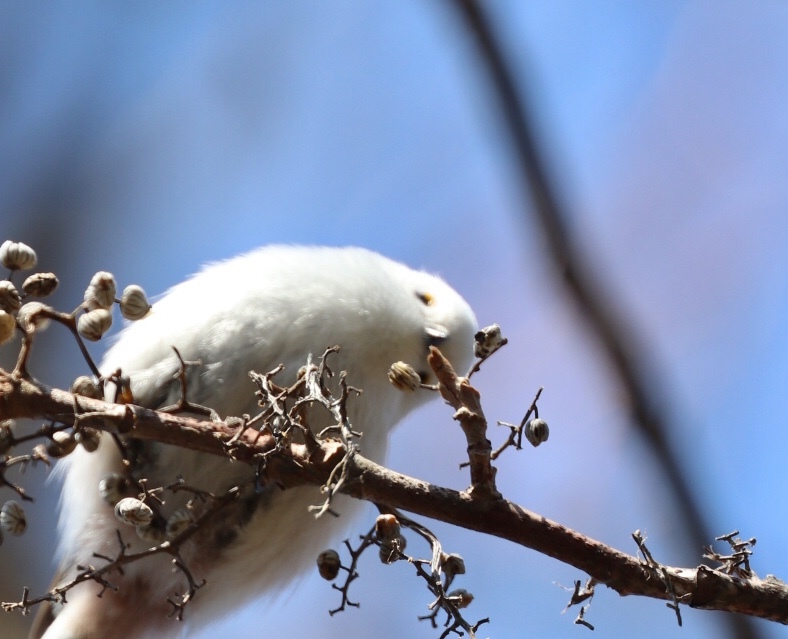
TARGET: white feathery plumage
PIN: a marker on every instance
(273, 305)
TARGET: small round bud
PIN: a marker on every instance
(6, 436)
(86, 387)
(31, 316)
(387, 528)
(328, 564)
(460, 597)
(131, 510)
(452, 565)
(93, 324)
(404, 377)
(536, 431)
(40, 284)
(390, 552)
(12, 518)
(134, 303)
(179, 521)
(488, 340)
(152, 532)
(88, 438)
(10, 299)
(112, 487)
(62, 444)
(7, 326)
(101, 291)
(17, 256)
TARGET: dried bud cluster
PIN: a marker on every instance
(488, 340)
(404, 377)
(98, 300)
(17, 256)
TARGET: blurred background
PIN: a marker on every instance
(147, 138)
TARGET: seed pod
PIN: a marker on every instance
(93, 324)
(12, 518)
(404, 377)
(88, 438)
(112, 487)
(86, 387)
(101, 291)
(131, 510)
(17, 256)
(40, 284)
(6, 436)
(178, 522)
(31, 318)
(7, 326)
(328, 564)
(536, 431)
(460, 597)
(10, 299)
(62, 444)
(387, 528)
(152, 532)
(452, 565)
(488, 340)
(134, 303)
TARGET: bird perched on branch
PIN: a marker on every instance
(276, 305)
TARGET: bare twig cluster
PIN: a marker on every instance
(279, 444)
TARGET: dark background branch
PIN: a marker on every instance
(604, 319)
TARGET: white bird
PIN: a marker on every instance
(274, 305)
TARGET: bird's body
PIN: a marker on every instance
(273, 306)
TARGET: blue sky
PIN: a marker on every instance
(147, 139)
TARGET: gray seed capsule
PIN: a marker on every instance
(131, 510)
(40, 284)
(12, 518)
(134, 303)
(10, 299)
(7, 326)
(101, 291)
(93, 324)
(404, 377)
(17, 256)
(112, 487)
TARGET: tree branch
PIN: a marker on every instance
(701, 587)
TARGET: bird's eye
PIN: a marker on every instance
(425, 298)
